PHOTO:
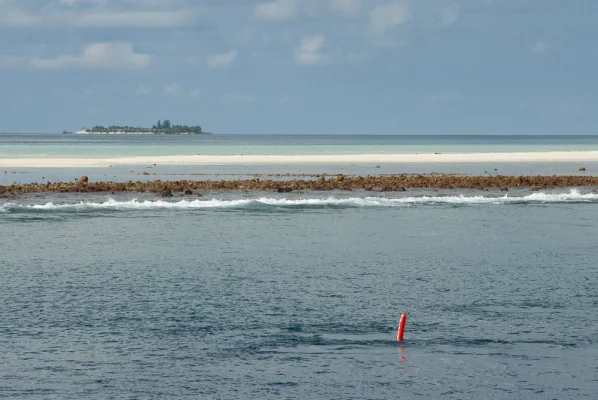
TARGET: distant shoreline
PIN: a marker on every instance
(551, 156)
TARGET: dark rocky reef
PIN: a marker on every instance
(164, 192)
(387, 183)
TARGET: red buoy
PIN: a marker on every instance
(401, 327)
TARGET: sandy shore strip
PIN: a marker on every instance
(554, 156)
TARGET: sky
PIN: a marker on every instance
(302, 66)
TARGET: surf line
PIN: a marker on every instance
(401, 330)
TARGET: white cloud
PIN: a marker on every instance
(387, 16)
(449, 14)
(177, 90)
(195, 93)
(309, 50)
(174, 90)
(222, 60)
(96, 17)
(110, 55)
(73, 2)
(540, 48)
(142, 90)
(277, 10)
(284, 10)
(143, 19)
(347, 7)
(85, 94)
(237, 98)
(16, 18)
(358, 57)
(244, 37)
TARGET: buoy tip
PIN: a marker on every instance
(401, 330)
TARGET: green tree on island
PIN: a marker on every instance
(164, 127)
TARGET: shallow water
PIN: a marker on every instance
(284, 172)
(261, 295)
(65, 146)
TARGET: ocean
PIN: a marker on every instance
(262, 295)
(72, 145)
(14, 146)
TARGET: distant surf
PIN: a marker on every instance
(572, 196)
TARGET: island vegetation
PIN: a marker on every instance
(162, 127)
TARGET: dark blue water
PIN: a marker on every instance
(255, 296)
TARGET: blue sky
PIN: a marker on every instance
(302, 66)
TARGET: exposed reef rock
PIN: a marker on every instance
(387, 183)
(164, 192)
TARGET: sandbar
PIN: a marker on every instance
(516, 157)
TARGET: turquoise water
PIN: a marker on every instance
(23, 146)
(268, 296)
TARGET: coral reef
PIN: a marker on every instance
(386, 183)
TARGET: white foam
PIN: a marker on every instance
(573, 196)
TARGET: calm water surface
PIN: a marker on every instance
(71, 145)
(267, 296)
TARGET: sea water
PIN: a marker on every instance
(298, 295)
(73, 146)
(102, 146)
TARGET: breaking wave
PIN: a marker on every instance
(574, 196)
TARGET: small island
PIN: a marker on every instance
(161, 128)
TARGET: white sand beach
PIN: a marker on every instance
(48, 162)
